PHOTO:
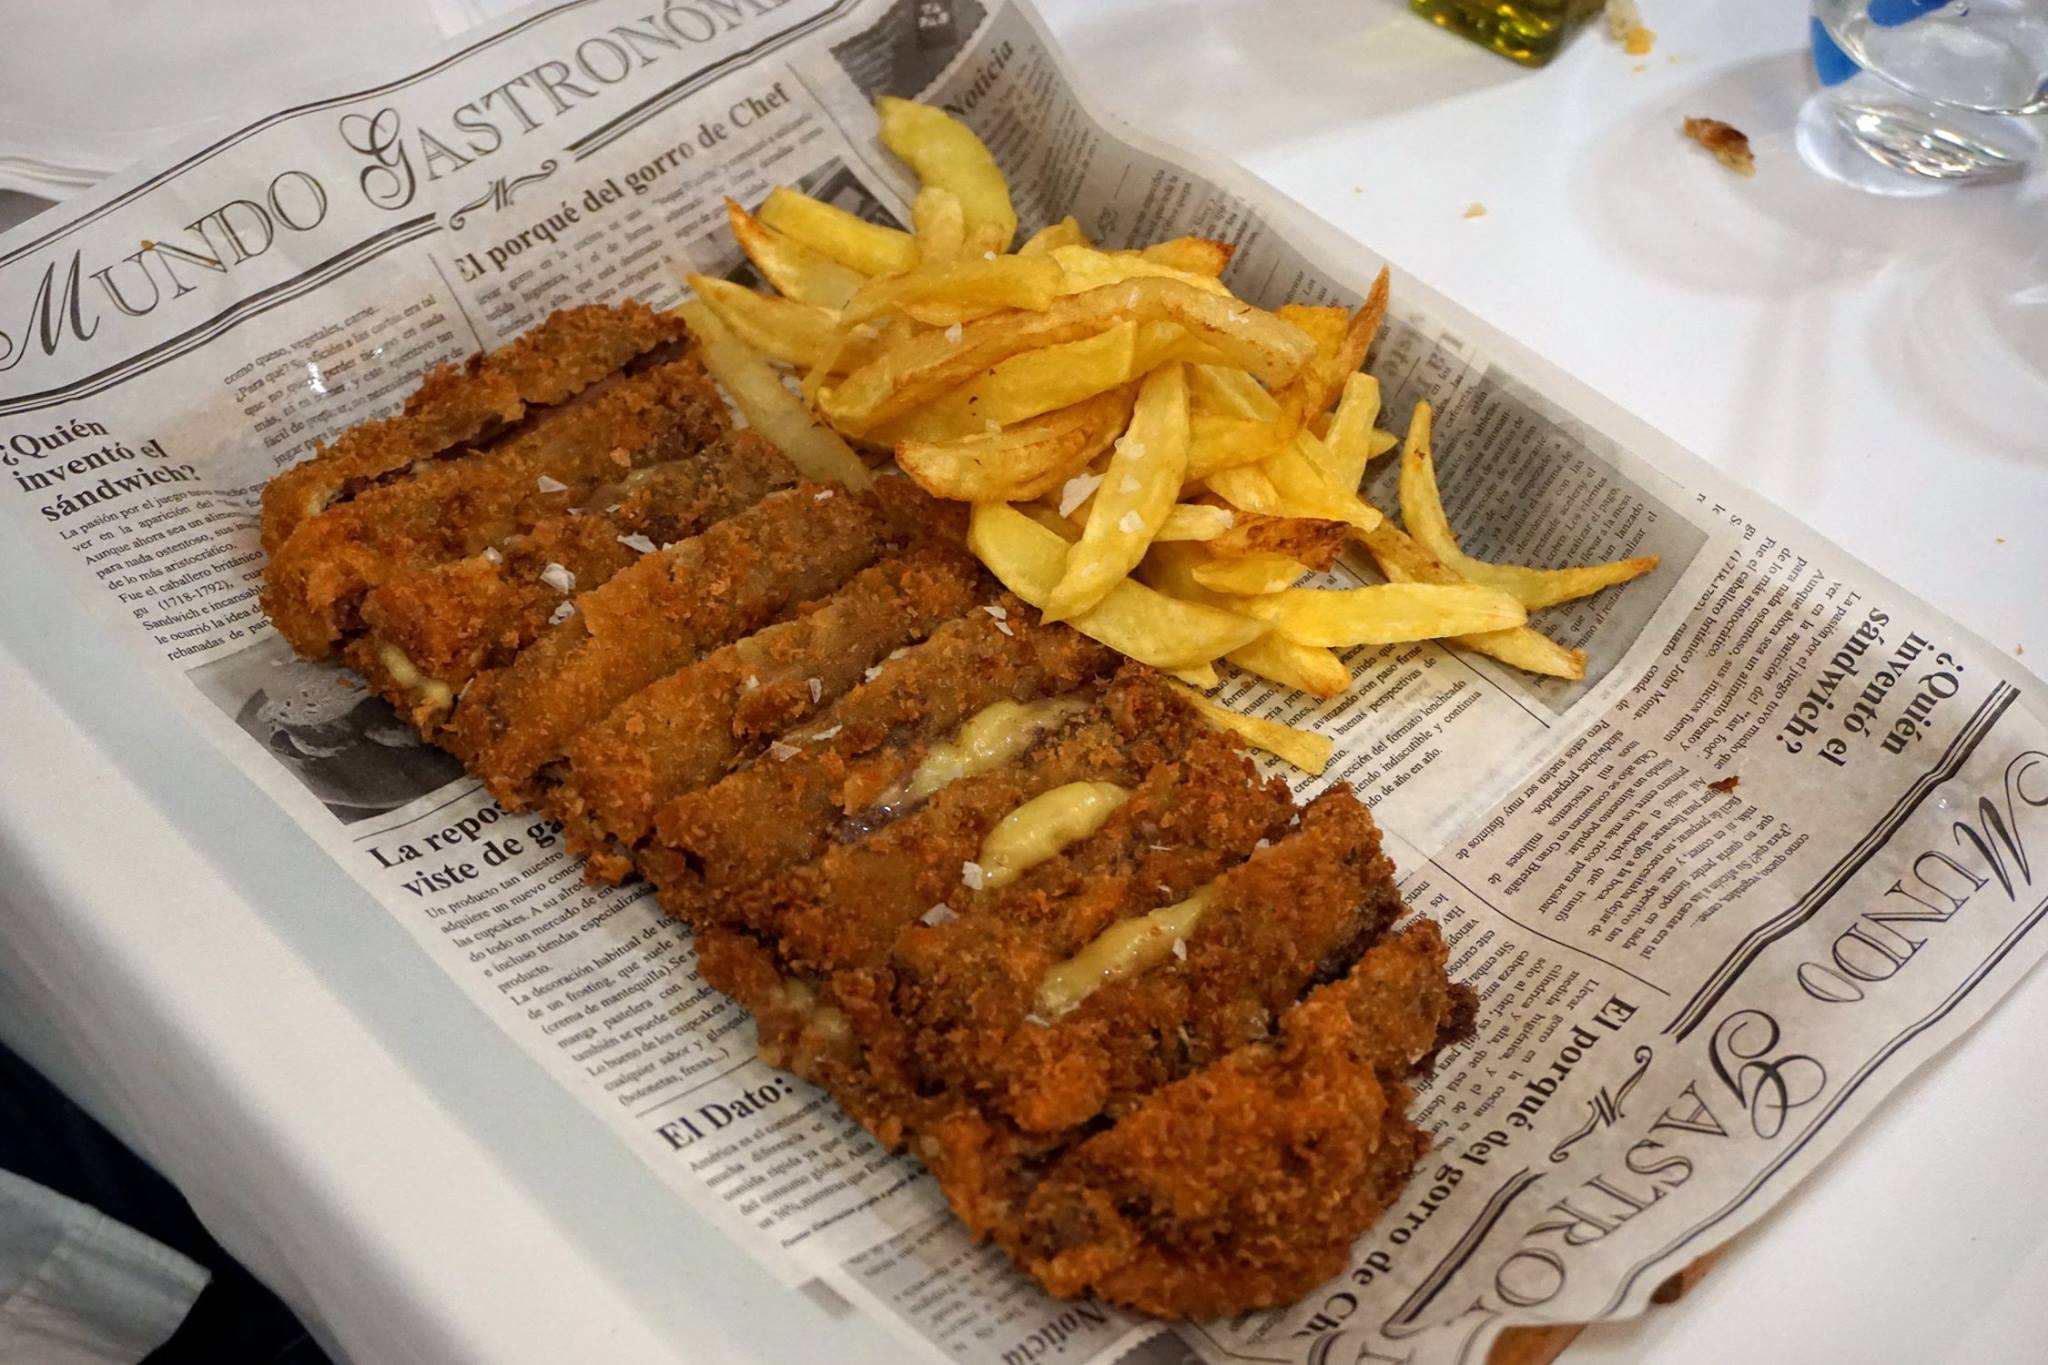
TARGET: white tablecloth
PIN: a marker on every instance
(348, 1125)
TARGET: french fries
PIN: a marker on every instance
(1026, 385)
(1422, 509)
(1024, 461)
(1315, 543)
(1066, 232)
(1252, 574)
(868, 248)
(1195, 521)
(948, 291)
(815, 449)
(1303, 748)
(1137, 492)
(1195, 255)
(1168, 633)
(1087, 268)
(1149, 458)
(1386, 614)
(781, 329)
(1296, 473)
(1524, 647)
(1308, 668)
(1246, 487)
(797, 271)
(939, 225)
(1348, 441)
(945, 152)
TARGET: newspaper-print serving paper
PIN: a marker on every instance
(1785, 840)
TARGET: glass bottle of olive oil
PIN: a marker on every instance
(1529, 31)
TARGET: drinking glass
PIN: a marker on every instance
(1936, 88)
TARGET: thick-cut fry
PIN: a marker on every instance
(1348, 439)
(913, 370)
(1339, 353)
(1528, 649)
(1196, 255)
(1306, 491)
(940, 225)
(1020, 462)
(1148, 626)
(1325, 324)
(1270, 348)
(1024, 386)
(1217, 443)
(1387, 614)
(969, 286)
(797, 271)
(794, 333)
(1314, 541)
(815, 450)
(1066, 232)
(1422, 510)
(1247, 488)
(1160, 343)
(1254, 574)
(870, 248)
(1310, 668)
(1327, 376)
(1524, 647)
(1304, 749)
(945, 152)
(1230, 392)
(1196, 521)
(1137, 491)
(1087, 268)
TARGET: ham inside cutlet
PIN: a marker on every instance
(1023, 911)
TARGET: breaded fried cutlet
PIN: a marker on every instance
(1018, 905)
(461, 406)
(682, 733)
(316, 579)
(451, 621)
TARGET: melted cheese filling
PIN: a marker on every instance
(431, 690)
(1122, 950)
(1045, 825)
(991, 737)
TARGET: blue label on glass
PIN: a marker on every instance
(1892, 13)
(1830, 63)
